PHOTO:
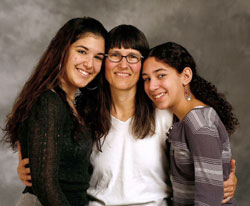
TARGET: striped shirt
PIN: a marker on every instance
(200, 157)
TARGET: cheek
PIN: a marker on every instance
(76, 59)
(175, 88)
(136, 69)
(108, 67)
(107, 73)
(97, 67)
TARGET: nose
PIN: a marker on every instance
(88, 62)
(153, 85)
(123, 62)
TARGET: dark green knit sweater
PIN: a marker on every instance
(60, 166)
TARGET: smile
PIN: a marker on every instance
(84, 73)
(122, 74)
(159, 95)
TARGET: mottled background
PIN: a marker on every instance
(217, 33)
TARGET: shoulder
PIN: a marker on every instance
(201, 119)
(49, 97)
(163, 118)
(49, 101)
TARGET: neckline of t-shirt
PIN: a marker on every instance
(195, 108)
(118, 120)
(198, 107)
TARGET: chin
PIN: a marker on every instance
(161, 106)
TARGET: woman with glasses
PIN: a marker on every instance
(131, 168)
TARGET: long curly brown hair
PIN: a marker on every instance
(48, 71)
(178, 57)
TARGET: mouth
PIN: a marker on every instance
(122, 74)
(158, 96)
(83, 72)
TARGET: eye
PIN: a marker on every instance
(133, 57)
(161, 76)
(82, 51)
(100, 57)
(146, 79)
(114, 55)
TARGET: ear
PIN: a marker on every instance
(187, 75)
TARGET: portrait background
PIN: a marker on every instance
(216, 32)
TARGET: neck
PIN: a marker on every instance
(70, 91)
(123, 103)
(184, 107)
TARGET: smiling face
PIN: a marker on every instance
(122, 75)
(163, 84)
(84, 62)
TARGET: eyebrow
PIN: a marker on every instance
(132, 52)
(159, 70)
(81, 46)
(155, 71)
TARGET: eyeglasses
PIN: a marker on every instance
(131, 58)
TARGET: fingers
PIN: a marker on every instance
(24, 162)
(228, 189)
(230, 184)
(21, 169)
(228, 194)
(27, 183)
(23, 172)
(232, 174)
(25, 177)
(235, 183)
(226, 200)
(227, 197)
(19, 150)
(233, 166)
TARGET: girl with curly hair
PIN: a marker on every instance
(200, 151)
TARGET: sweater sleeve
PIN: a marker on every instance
(206, 148)
(45, 128)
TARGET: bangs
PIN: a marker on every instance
(124, 40)
(127, 37)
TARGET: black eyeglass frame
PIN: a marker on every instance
(126, 57)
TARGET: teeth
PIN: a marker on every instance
(159, 95)
(83, 72)
(122, 74)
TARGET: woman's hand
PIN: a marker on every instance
(22, 171)
(230, 184)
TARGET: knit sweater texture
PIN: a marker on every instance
(60, 166)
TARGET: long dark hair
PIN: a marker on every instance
(178, 57)
(143, 121)
(48, 71)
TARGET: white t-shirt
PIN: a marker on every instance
(131, 171)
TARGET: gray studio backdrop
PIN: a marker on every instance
(217, 33)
